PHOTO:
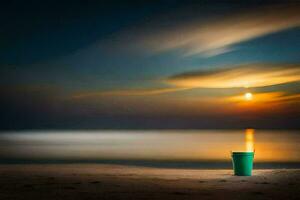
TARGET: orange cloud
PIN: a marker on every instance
(258, 75)
(268, 102)
(259, 97)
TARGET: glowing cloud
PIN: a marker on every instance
(237, 77)
(267, 97)
(214, 36)
(260, 97)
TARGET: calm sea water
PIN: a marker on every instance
(171, 148)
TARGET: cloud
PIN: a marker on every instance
(279, 102)
(243, 76)
(261, 97)
(254, 75)
(213, 36)
(132, 92)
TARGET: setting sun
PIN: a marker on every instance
(248, 96)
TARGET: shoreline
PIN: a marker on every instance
(164, 164)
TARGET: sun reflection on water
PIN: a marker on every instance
(249, 136)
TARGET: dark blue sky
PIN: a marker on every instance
(111, 64)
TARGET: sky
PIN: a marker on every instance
(149, 64)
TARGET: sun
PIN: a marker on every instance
(248, 96)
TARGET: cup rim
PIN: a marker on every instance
(242, 152)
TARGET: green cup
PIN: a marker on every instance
(242, 163)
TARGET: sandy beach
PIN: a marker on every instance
(99, 181)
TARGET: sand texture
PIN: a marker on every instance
(99, 181)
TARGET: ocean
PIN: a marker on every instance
(159, 148)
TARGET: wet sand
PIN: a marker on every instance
(100, 181)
